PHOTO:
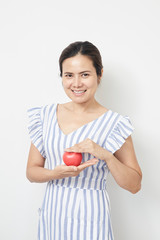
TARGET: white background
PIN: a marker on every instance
(32, 35)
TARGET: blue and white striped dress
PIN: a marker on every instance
(76, 208)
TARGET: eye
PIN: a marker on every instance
(68, 75)
(85, 75)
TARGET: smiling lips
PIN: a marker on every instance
(79, 92)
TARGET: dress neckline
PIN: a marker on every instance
(80, 126)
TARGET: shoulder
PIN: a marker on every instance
(121, 124)
(117, 116)
(47, 110)
(120, 129)
(41, 110)
(49, 106)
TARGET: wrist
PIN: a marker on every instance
(102, 154)
(108, 156)
(54, 175)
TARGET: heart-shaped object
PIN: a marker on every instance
(72, 158)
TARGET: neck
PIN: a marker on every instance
(88, 106)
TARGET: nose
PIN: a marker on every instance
(77, 81)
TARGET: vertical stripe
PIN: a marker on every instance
(66, 215)
(98, 212)
(39, 231)
(85, 215)
(113, 120)
(109, 228)
(63, 205)
(58, 156)
(44, 224)
(76, 224)
(50, 211)
(64, 146)
(104, 218)
(95, 202)
(74, 205)
(92, 215)
(55, 213)
(79, 225)
(48, 136)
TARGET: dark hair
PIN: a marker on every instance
(83, 48)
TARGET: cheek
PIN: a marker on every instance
(66, 84)
(93, 83)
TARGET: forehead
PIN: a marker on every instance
(78, 63)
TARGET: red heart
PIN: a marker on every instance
(72, 158)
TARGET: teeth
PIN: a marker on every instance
(79, 91)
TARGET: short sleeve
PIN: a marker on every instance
(120, 132)
(35, 128)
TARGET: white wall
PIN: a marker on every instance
(33, 34)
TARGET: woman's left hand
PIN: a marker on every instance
(88, 146)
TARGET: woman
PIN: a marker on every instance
(76, 203)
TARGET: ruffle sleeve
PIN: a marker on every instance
(120, 132)
(35, 128)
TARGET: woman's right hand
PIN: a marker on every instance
(62, 171)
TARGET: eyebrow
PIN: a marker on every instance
(80, 72)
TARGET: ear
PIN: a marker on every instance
(99, 77)
(102, 72)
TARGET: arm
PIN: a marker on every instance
(124, 167)
(123, 164)
(36, 172)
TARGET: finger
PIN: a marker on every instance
(91, 161)
(69, 168)
(83, 166)
(73, 150)
(87, 164)
(68, 150)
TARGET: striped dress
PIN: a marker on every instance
(76, 208)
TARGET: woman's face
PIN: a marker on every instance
(79, 78)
